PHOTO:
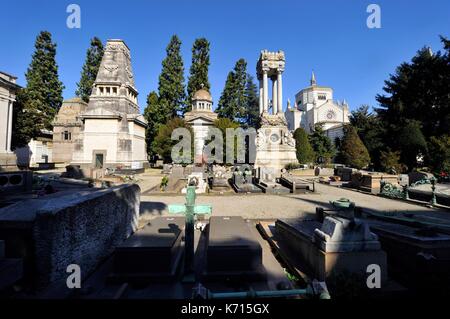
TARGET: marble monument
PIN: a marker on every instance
(275, 145)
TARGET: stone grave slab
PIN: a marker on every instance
(232, 250)
(296, 185)
(153, 252)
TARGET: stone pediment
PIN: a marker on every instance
(208, 117)
(100, 112)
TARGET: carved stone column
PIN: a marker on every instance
(280, 91)
(261, 103)
(265, 91)
(274, 96)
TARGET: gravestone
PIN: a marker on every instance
(153, 252)
(296, 184)
(177, 172)
(197, 179)
(242, 180)
(232, 249)
(167, 168)
(267, 181)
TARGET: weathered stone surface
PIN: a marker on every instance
(16, 182)
(300, 236)
(231, 246)
(70, 228)
(152, 251)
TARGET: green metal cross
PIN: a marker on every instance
(190, 210)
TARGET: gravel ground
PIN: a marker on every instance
(262, 206)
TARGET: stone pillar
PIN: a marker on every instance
(265, 91)
(9, 130)
(274, 96)
(280, 92)
(261, 103)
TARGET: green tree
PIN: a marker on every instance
(440, 148)
(163, 143)
(90, 69)
(155, 117)
(223, 124)
(352, 151)
(418, 91)
(171, 86)
(198, 72)
(252, 118)
(233, 102)
(412, 144)
(323, 147)
(390, 161)
(304, 150)
(42, 97)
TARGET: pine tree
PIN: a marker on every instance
(42, 97)
(352, 151)
(171, 86)
(163, 143)
(322, 145)
(412, 144)
(90, 69)
(304, 151)
(233, 102)
(155, 117)
(252, 118)
(198, 73)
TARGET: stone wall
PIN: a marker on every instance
(79, 228)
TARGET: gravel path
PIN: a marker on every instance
(262, 206)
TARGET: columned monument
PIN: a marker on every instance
(8, 91)
(113, 130)
(275, 146)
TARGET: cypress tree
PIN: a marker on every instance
(322, 145)
(233, 102)
(155, 117)
(198, 73)
(353, 152)
(304, 151)
(42, 97)
(90, 69)
(252, 118)
(171, 86)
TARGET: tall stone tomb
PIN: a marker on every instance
(275, 145)
(8, 91)
(113, 130)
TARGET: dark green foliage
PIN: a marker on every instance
(440, 148)
(304, 150)
(163, 143)
(323, 147)
(171, 86)
(412, 144)
(155, 117)
(417, 97)
(370, 130)
(198, 73)
(90, 69)
(239, 100)
(41, 99)
(222, 124)
(352, 151)
(252, 118)
(390, 162)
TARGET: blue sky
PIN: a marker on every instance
(330, 37)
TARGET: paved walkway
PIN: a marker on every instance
(262, 206)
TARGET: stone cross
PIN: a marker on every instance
(190, 210)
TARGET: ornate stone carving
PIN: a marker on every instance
(273, 120)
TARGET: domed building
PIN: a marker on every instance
(200, 118)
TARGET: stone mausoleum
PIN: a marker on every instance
(200, 118)
(113, 130)
(66, 129)
(315, 105)
(8, 90)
